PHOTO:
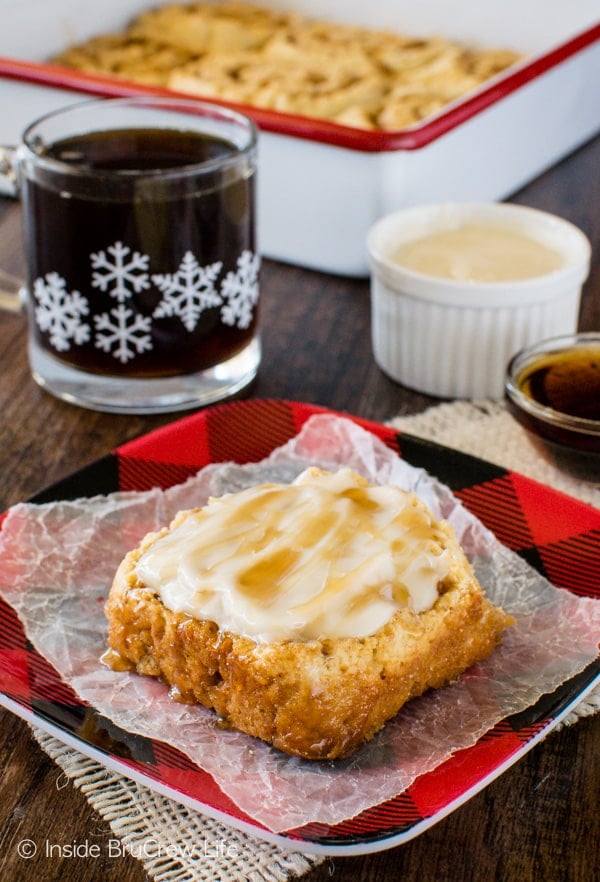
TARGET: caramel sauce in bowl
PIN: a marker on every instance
(553, 389)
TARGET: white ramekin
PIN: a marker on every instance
(454, 339)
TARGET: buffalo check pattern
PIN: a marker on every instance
(556, 534)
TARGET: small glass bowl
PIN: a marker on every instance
(544, 382)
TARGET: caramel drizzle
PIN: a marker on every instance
(315, 557)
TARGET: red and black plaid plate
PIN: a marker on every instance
(554, 533)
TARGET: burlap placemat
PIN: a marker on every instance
(487, 430)
(176, 844)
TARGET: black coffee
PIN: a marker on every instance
(142, 275)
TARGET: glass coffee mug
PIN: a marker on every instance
(142, 282)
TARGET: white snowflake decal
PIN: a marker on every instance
(119, 273)
(240, 290)
(59, 312)
(189, 291)
(128, 337)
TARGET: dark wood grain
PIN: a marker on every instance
(540, 820)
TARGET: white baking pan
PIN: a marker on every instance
(322, 185)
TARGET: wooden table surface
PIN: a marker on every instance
(540, 820)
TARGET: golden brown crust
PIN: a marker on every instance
(318, 699)
(261, 57)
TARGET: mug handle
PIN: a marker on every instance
(12, 289)
(12, 293)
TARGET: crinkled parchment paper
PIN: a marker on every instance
(57, 562)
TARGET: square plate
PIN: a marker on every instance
(521, 512)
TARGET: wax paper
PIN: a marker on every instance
(57, 562)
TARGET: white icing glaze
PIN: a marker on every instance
(479, 254)
(326, 556)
